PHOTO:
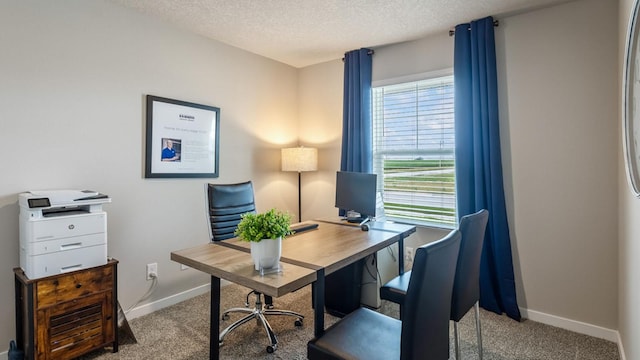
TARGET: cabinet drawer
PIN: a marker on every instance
(65, 316)
(74, 285)
(76, 326)
(67, 226)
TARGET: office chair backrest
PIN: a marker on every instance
(466, 286)
(225, 205)
(425, 327)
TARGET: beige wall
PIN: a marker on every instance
(74, 75)
(320, 116)
(629, 246)
(558, 82)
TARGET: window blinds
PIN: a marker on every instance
(413, 150)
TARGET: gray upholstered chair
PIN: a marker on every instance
(225, 205)
(466, 288)
(424, 332)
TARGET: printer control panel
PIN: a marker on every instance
(39, 202)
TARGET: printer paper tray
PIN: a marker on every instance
(63, 261)
(65, 244)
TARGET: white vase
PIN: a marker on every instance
(266, 253)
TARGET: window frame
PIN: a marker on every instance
(397, 81)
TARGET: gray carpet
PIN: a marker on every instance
(181, 331)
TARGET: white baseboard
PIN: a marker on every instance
(168, 301)
(621, 348)
(576, 326)
(572, 325)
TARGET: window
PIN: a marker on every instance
(413, 151)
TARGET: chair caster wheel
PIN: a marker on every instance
(298, 322)
(271, 349)
(224, 317)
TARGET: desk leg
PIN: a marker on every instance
(318, 303)
(214, 342)
(401, 255)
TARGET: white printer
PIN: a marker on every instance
(61, 231)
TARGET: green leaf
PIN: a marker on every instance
(270, 225)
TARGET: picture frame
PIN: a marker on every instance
(182, 139)
(631, 105)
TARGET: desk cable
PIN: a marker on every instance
(146, 295)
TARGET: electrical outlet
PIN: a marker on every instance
(408, 253)
(152, 271)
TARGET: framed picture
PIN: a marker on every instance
(183, 139)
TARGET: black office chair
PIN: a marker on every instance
(424, 332)
(225, 205)
(466, 288)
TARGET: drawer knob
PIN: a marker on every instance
(78, 286)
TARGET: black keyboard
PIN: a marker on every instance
(303, 227)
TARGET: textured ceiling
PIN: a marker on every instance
(306, 32)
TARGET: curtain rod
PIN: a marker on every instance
(453, 32)
(370, 52)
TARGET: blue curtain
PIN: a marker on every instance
(479, 181)
(357, 151)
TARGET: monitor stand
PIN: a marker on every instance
(359, 220)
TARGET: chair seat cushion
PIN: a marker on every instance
(363, 334)
(396, 289)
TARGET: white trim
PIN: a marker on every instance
(572, 325)
(621, 348)
(412, 77)
(148, 308)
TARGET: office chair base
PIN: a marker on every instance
(268, 300)
(258, 313)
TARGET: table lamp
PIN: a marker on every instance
(299, 159)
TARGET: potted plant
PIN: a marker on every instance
(265, 232)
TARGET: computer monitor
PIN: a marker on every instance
(356, 192)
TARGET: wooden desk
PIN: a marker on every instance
(334, 245)
(306, 258)
(237, 266)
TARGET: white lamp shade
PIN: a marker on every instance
(300, 159)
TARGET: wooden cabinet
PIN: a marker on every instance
(67, 315)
